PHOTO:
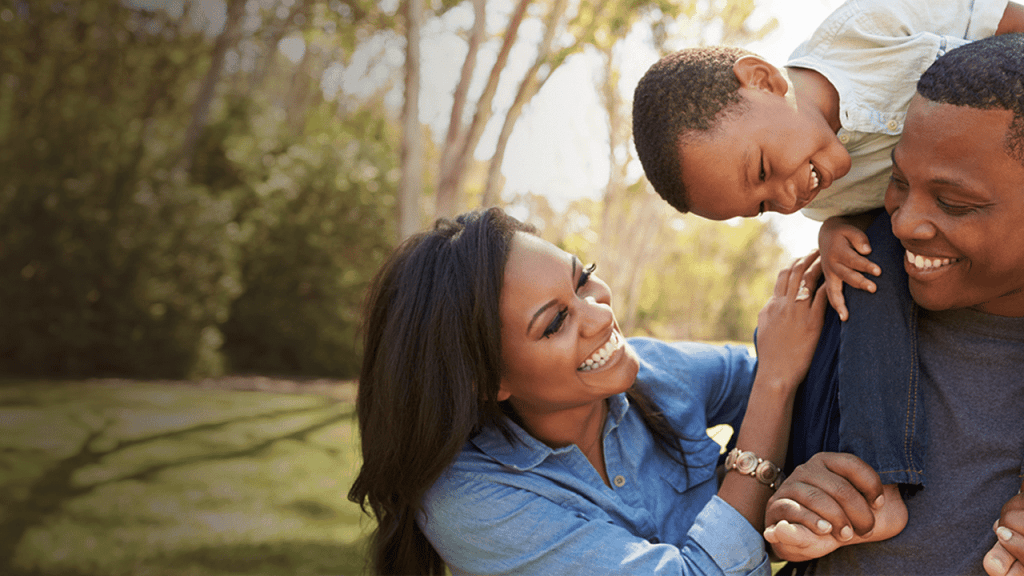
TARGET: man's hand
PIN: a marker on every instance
(832, 500)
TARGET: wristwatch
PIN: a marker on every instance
(749, 464)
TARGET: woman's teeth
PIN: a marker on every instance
(598, 359)
(922, 263)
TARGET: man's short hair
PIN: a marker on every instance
(684, 93)
(986, 74)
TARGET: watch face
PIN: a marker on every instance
(746, 462)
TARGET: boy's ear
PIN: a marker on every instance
(756, 72)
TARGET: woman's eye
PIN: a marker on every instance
(585, 276)
(556, 323)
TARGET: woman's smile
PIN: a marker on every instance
(601, 357)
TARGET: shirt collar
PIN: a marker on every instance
(527, 452)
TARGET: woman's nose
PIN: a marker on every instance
(594, 316)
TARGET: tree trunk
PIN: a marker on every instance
(452, 175)
(528, 88)
(201, 108)
(411, 182)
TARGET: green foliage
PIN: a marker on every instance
(113, 265)
(315, 232)
(713, 282)
(118, 261)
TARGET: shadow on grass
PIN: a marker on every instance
(142, 480)
(320, 558)
(285, 558)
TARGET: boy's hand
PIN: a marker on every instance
(832, 500)
(843, 247)
(1007, 555)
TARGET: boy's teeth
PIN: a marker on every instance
(922, 263)
(814, 174)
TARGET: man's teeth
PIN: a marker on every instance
(814, 174)
(922, 263)
(598, 359)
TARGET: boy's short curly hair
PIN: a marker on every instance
(684, 93)
(987, 74)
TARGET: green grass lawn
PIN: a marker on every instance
(119, 478)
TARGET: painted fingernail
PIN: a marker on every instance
(1004, 533)
(824, 526)
(995, 525)
(879, 502)
(846, 533)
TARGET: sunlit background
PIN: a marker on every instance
(195, 194)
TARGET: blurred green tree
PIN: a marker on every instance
(163, 173)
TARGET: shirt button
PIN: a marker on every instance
(844, 138)
(892, 125)
(619, 481)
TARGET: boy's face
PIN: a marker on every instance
(957, 204)
(773, 157)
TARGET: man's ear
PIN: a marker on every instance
(756, 72)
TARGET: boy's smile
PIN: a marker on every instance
(774, 155)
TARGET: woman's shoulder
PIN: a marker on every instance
(668, 361)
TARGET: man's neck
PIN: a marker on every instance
(813, 89)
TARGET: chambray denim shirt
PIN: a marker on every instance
(862, 394)
(525, 508)
(873, 52)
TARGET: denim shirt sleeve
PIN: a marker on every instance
(483, 527)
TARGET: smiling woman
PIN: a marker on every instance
(508, 426)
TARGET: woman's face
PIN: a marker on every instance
(561, 345)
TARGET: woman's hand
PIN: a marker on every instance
(790, 323)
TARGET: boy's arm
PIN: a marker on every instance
(1012, 20)
(844, 247)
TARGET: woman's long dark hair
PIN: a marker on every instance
(430, 375)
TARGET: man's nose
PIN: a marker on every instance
(909, 221)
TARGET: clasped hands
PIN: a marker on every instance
(836, 499)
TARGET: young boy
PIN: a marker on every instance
(721, 132)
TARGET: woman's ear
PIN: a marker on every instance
(503, 393)
(756, 72)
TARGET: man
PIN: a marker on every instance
(925, 382)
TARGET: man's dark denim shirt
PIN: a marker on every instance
(862, 393)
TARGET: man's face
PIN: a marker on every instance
(772, 157)
(957, 204)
